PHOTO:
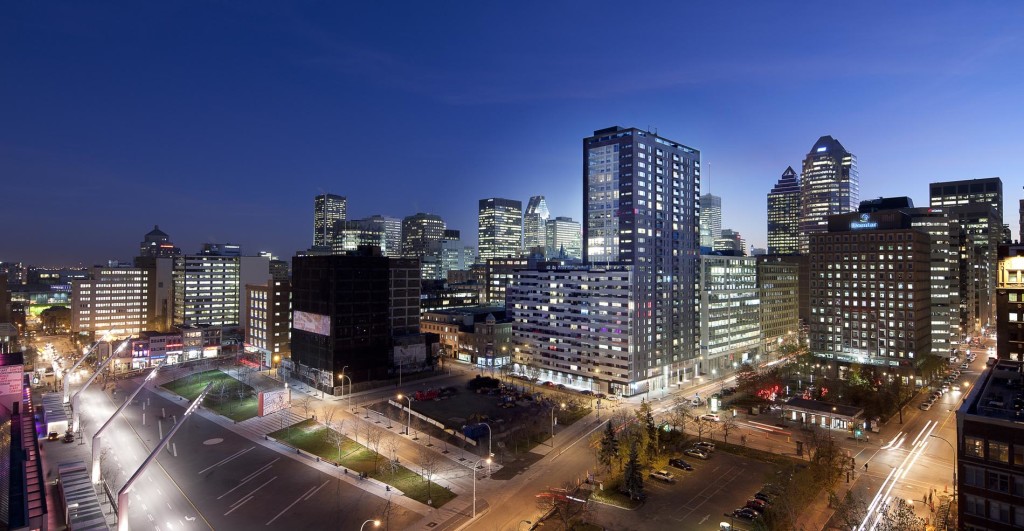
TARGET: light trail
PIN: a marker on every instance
(918, 446)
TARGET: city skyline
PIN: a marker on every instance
(228, 134)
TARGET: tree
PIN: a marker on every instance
(373, 436)
(645, 418)
(566, 503)
(851, 511)
(608, 448)
(633, 478)
(391, 447)
(681, 414)
(728, 424)
(898, 515)
(306, 403)
(747, 378)
(703, 427)
(429, 462)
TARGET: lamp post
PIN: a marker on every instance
(376, 523)
(475, 465)
(831, 420)
(276, 361)
(490, 453)
(951, 447)
(408, 415)
(349, 394)
(553, 424)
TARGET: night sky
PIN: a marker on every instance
(220, 121)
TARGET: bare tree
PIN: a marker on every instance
(898, 515)
(327, 414)
(306, 403)
(681, 414)
(429, 462)
(335, 433)
(222, 392)
(373, 437)
(567, 504)
(703, 427)
(728, 424)
(390, 444)
(851, 511)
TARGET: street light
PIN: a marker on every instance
(376, 523)
(349, 394)
(951, 447)
(408, 415)
(488, 459)
(553, 424)
(490, 453)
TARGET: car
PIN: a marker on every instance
(964, 366)
(664, 475)
(600, 396)
(745, 513)
(52, 436)
(704, 445)
(757, 505)
(560, 386)
(713, 417)
(696, 452)
(68, 437)
(587, 392)
(763, 496)
(679, 463)
(945, 388)
(925, 406)
(614, 398)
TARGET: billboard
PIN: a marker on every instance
(272, 401)
(311, 322)
(11, 378)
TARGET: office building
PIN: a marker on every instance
(641, 208)
(784, 214)
(157, 244)
(977, 204)
(328, 209)
(710, 220)
(420, 234)
(480, 335)
(1010, 303)
(351, 235)
(499, 273)
(564, 239)
(535, 224)
(114, 300)
(391, 228)
(730, 321)
(268, 321)
(990, 451)
(357, 312)
(159, 291)
(730, 241)
(870, 294)
(778, 290)
(947, 239)
(453, 254)
(440, 295)
(209, 289)
(829, 184)
(573, 325)
(500, 228)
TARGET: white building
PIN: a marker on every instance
(113, 300)
(730, 324)
(210, 289)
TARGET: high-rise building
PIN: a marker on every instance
(351, 235)
(391, 245)
(357, 312)
(829, 184)
(499, 274)
(784, 214)
(778, 289)
(710, 220)
(209, 289)
(453, 253)
(977, 204)
(112, 300)
(535, 224)
(990, 451)
(1010, 303)
(268, 320)
(500, 228)
(419, 234)
(328, 209)
(731, 241)
(730, 322)
(641, 208)
(870, 294)
(157, 244)
(564, 239)
(159, 291)
(946, 241)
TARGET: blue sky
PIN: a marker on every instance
(220, 121)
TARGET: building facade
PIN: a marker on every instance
(209, 288)
(829, 184)
(870, 294)
(113, 300)
(479, 335)
(732, 242)
(1010, 303)
(730, 322)
(641, 208)
(946, 242)
(500, 228)
(157, 244)
(778, 290)
(268, 321)
(535, 224)
(784, 214)
(328, 209)
(710, 220)
(564, 239)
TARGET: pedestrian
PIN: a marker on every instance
(865, 467)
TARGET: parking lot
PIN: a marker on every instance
(698, 500)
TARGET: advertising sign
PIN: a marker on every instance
(10, 379)
(311, 322)
(272, 401)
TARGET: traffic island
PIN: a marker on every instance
(228, 397)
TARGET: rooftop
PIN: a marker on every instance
(999, 394)
(818, 406)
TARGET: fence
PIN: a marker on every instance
(433, 422)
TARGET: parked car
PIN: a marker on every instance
(52, 436)
(757, 505)
(704, 445)
(664, 475)
(696, 452)
(964, 366)
(614, 398)
(587, 392)
(745, 513)
(679, 463)
(713, 417)
(68, 437)
(763, 496)
(925, 406)
(600, 396)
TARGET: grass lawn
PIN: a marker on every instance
(314, 438)
(611, 496)
(226, 403)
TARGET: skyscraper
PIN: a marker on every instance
(732, 242)
(328, 209)
(784, 215)
(710, 220)
(829, 185)
(157, 244)
(641, 208)
(564, 239)
(500, 228)
(534, 223)
(421, 238)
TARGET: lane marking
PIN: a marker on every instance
(248, 478)
(297, 500)
(244, 500)
(258, 488)
(317, 489)
(226, 459)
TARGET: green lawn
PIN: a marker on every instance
(223, 397)
(314, 438)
